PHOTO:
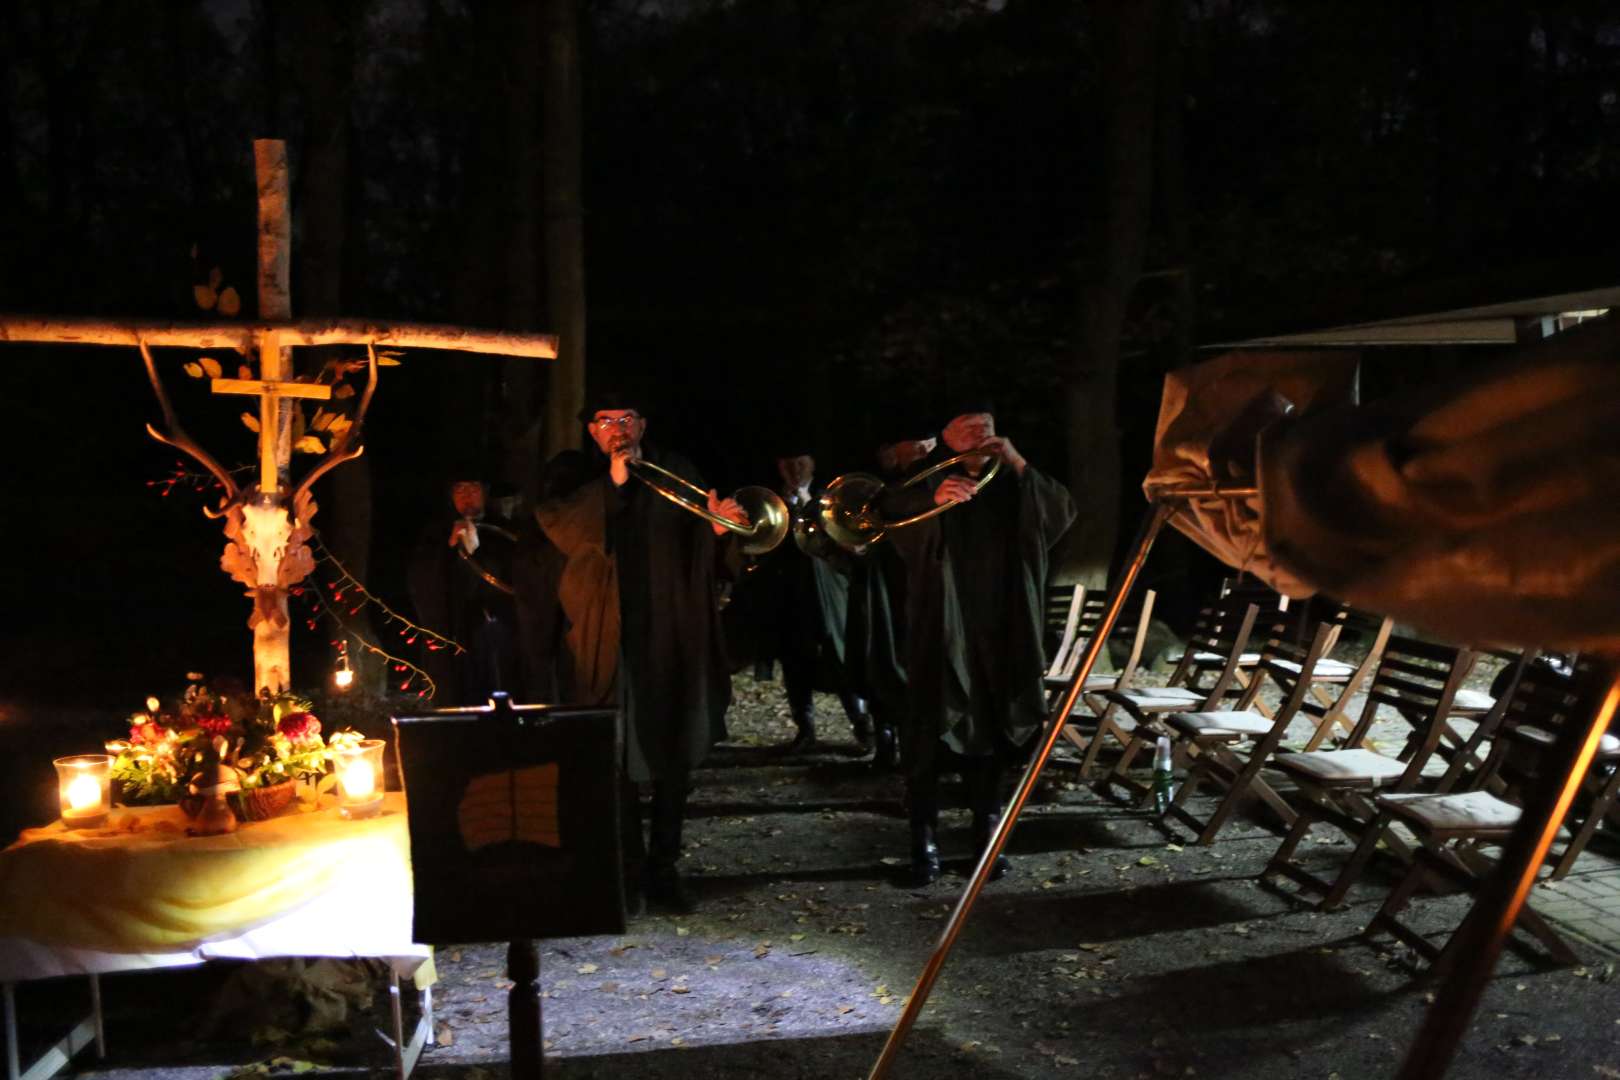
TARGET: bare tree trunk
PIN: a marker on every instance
(564, 224)
(272, 657)
(327, 34)
(524, 41)
(1126, 43)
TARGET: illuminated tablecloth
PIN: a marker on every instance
(121, 898)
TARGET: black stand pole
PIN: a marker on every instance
(523, 1009)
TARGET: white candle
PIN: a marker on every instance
(357, 781)
(84, 794)
(82, 790)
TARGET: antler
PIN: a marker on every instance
(177, 438)
(340, 451)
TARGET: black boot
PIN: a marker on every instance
(805, 738)
(665, 890)
(925, 869)
(883, 749)
(984, 827)
(662, 884)
(861, 726)
(984, 796)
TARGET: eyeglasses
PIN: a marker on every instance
(611, 422)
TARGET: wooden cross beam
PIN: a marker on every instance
(272, 337)
(269, 394)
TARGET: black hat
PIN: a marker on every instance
(904, 422)
(607, 399)
(963, 403)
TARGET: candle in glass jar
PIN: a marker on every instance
(357, 782)
(84, 790)
(360, 783)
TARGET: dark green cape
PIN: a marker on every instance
(975, 579)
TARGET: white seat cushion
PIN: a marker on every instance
(1326, 669)
(1202, 657)
(1247, 724)
(1159, 698)
(1472, 701)
(1093, 682)
(1607, 745)
(1469, 810)
(1342, 766)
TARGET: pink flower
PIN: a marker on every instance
(300, 727)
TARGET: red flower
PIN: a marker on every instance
(148, 733)
(218, 724)
(300, 727)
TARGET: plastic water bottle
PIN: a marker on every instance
(1164, 776)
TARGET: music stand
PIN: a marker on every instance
(513, 813)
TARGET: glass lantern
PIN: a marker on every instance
(84, 789)
(360, 779)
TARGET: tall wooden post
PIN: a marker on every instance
(272, 637)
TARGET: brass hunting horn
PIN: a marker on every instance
(767, 513)
(849, 514)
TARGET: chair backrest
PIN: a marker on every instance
(1465, 761)
(1543, 703)
(1290, 666)
(1085, 612)
(1225, 634)
(1062, 603)
(1218, 624)
(1415, 681)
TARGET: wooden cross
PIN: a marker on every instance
(270, 416)
(273, 336)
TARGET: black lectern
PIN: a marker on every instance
(514, 822)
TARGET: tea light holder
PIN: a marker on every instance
(360, 779)
(84, 789)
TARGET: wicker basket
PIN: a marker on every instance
(259, 804)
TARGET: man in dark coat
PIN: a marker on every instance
(637, 588)
(794, 606)
(537, 568)
(455, 580)
(976, 575)
(875, 629)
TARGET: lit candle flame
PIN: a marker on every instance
(343, 677)
(84, 793)
(357, 781)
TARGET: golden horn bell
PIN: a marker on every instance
(849, 513)
(768, 517)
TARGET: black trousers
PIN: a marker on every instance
(662, 843)
(983, 777)
(799, 666)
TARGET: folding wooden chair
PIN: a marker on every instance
(1454, 829)
(1273, 618)
(1061, 610)
(1210, 739)
(1415, 681)
(1078, 729)
(1223, 629)
(1084, 611)
(1336, 679)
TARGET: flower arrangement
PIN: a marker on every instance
(270, 740)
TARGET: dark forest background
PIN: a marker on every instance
(800, 221)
